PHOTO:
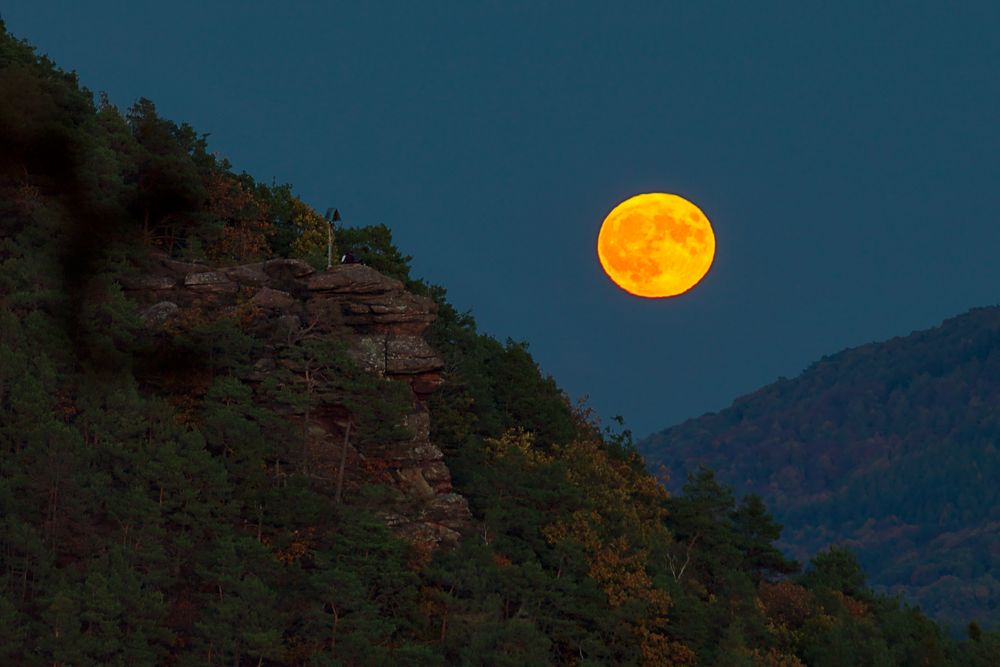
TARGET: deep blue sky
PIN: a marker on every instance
(848, 158)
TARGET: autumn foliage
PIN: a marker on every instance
(161, 502)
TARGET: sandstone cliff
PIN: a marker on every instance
(380, 322)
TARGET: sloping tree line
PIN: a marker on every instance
(150, 520)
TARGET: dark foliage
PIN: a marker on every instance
(890, 447)
(149, 520)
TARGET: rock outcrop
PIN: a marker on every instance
(382, 323)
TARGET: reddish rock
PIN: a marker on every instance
(353, 279)
(287, 269)
(436, 474)
(413, 483)
(382, 324)
(210, 281)
(157, 314)
(249, 274)
(369, 352)
(425, 384)
(148, 282)
(272, 299)
(161, 264)
(447, 509)
(410, 355)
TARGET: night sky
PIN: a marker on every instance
(848, 159)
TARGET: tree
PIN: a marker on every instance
(318, 371)
(242, 217)
(701, 520)
(13, 631)
(145, 517)
(836, 569)
(755, 532)
(242, 616)
(373, 246)
(311, 232)
(171, 161)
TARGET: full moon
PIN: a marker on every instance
(656, 245)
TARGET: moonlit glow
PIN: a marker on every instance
(656, 245)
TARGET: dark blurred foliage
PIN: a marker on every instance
(158, 508)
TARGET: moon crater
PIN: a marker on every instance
(656, 245)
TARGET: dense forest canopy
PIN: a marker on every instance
(889, 447)
(157, 518)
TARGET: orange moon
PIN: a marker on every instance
(656, 245)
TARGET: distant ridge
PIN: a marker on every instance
(217, 448)
(890, 447)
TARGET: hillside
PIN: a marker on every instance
(216, 450)
(891, 448)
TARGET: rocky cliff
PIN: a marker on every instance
(381, 323)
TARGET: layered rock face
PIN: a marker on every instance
(382, 323)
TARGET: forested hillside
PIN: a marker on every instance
(178, 372)
(891, 448)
